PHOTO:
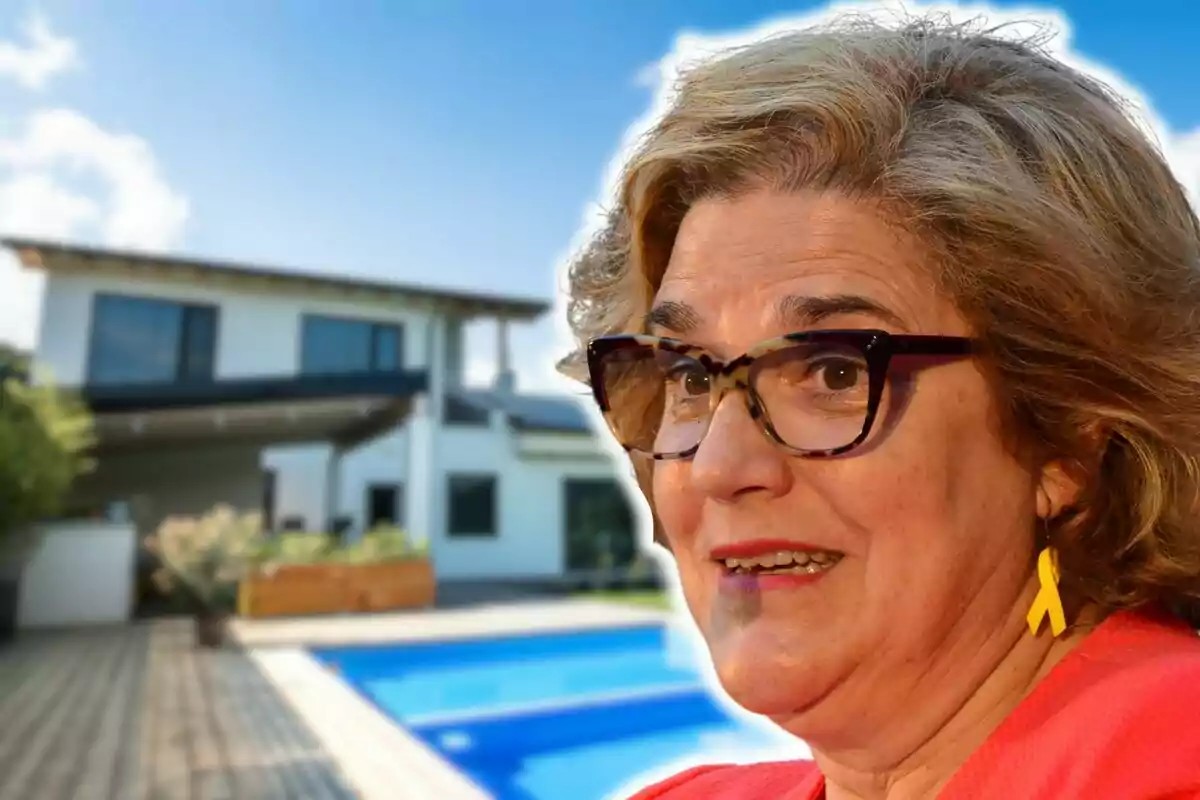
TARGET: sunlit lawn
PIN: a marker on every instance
(651, 599)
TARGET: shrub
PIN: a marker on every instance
(207, 555)
(45, 435)
(381, 544)
(302, 548)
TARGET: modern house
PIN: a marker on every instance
(331, 404)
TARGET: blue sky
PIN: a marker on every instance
(446, 142)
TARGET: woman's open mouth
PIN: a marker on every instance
(772, 563)
(783, 562)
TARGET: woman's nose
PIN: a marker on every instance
(736, 458)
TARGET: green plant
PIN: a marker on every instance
(652, 599)
(381, 544)
(420, 546)
(302, 548)
(45, 436)
(206, 555)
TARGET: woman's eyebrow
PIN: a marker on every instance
(803, 311)
(673, 316)
(797, 311)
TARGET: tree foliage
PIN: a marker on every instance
(45, 436)
(205, 554)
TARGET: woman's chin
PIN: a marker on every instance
(765, 679)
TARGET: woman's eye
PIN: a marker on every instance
(826, 373)
(838, 374)
(689, 379)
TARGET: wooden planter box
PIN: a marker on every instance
(300, 589)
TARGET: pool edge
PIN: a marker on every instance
(379, 758)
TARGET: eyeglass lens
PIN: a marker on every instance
(814, 395)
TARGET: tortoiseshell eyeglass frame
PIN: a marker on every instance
(876, 346)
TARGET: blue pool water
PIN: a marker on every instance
(550, 716)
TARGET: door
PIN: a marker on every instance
(270, 488)
(383, 504)
(599, 524)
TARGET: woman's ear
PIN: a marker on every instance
(1062, 482)
(1059, 487)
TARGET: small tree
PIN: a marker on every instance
(45, 436)
(207, 555)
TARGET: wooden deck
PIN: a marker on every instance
(137, 713)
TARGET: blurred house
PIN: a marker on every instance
(331, 404)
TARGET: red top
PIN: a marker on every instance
(1117, 719)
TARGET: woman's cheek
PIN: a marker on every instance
(677, 507)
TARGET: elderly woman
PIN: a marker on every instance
(901, 331)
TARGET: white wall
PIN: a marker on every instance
(80, 574)
(300, 476)
(258, 331)
(530, 508)
(301, 470)
(530, 512)
(384, 460)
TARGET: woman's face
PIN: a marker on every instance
(932, 517)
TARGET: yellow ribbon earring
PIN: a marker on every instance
(1048, 601)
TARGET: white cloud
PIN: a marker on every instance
(45, 166)
(32, 203)
(141, 210)
(534, 368)
(40, 58)
(648, 76)
(479, 370)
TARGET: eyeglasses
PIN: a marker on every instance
(816, 394)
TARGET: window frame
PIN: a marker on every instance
(492, 480)
(398, 509)
(183, 371)
(376, 329)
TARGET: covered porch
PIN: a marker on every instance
(174, 450)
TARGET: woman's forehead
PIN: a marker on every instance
(770, 263)
(767, 227)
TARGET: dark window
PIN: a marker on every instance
(332, 346)
(387, 348)
(340, 526)
(383, 504)
(199, 343)
(457, 411)
(270, 485)
(599, 524)
(472, 501)
(145, 340)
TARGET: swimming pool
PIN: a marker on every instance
(555, 715)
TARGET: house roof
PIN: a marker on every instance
(530, 412)
(50, 256)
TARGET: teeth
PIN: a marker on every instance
(785, 561)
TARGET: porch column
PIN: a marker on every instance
(506, 380)
(503, 355)
(425, 490)
(333, 487)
